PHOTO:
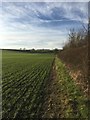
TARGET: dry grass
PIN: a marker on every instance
(76, 60)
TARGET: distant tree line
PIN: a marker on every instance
(34, 50)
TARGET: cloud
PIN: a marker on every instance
(43, 12)
(46, 0)
(44, 24)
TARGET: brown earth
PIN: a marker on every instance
(54, 105)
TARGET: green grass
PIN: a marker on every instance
(73, 99)
(24, 78)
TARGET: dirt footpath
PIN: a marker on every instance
(52, 104)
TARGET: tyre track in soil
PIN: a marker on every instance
(52, 102)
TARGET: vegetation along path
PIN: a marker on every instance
(63, 97)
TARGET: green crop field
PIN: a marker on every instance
(24, 78)
(39, 86)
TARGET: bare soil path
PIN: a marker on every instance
(52, 104)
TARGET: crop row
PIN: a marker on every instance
(23, 84)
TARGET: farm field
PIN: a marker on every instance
(39, 86)
(24, 78)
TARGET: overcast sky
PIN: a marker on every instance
(39, 25)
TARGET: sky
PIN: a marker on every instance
(39, 25)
